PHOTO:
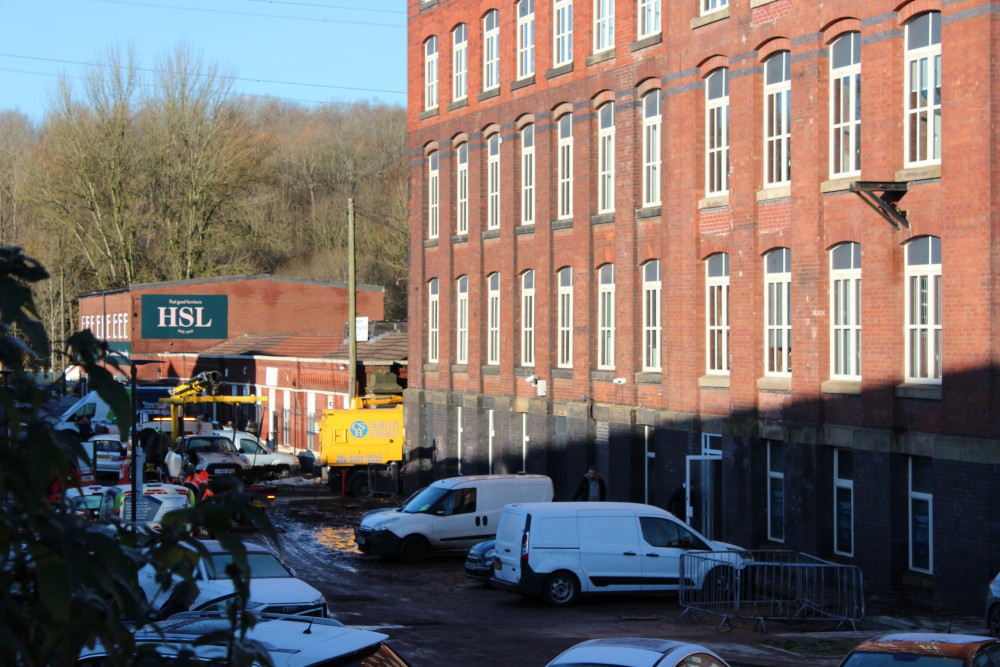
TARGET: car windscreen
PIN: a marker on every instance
(210, 445)
(425, 500)
(88, 502)
(262, 566)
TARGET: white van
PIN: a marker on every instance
(559, 550)
(453, 513)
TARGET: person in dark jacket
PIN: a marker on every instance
(84, 428)
(591, 487)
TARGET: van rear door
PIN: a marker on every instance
(507, 557)
(609, 550)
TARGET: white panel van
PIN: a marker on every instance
(453, 513)
(559, 550)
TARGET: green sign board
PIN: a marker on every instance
(185, 316)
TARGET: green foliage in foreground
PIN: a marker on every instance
(66, 582)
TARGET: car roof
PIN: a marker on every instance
(452, 482)
(625, 652)
(926, 643)
(573, 507)
(290, 640)
(216, 547)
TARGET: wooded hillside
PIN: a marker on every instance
(134, 178)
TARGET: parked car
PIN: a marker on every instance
(993, 607)
(86, 500)
(479, 562)
(265, 462)
(289, 641)
(925, 649)
(274, 588)
(637, 652)
(559, 550)
(106, 452)
(215, 454)
(156, 501)
(452, 513)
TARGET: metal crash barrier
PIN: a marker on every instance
(770, 586)
(383, 480)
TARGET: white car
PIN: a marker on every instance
(288, 640)
(265, 461)
(215, 454)
(107, 451)
(274, 589)
(156, 501)
(638, 652)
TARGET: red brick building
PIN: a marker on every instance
(282, 338)
(738, 254)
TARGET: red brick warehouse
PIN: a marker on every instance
(739, 255)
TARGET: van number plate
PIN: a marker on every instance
(225, 471)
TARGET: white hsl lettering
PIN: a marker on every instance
(183, 317)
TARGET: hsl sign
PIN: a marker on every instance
(185, 316)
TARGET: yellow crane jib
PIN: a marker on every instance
(208, 382)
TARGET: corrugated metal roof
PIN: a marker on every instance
(389, 347)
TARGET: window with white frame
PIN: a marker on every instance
(606, 158)
(845, 311)
(528, 318)
(564, 318)
(843, 502)
(491, 50)
(462, 188)
(648, 18)
(604, 25)
(777, 312)
(606, 317)
(921, 514)
(459, 63)
(775, 491)
(431, 73)
(923, 310)
(923, 89)
(845, 105)
(528, 175)
(433, 320)
(709, 6)
(651, 290)
(433, 205)
(525, 38)
(717, 313)
(493, 182)
(562, 32)
(777, 119)
(717, 132)
(651, 148)
(493, 319)
(564, 167)
(462, 320)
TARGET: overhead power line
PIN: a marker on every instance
(320, 6)
(230, 12)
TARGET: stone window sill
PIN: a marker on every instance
(493, 92)
(430, 368)
(600, 57)
(715, 201)
(838, 184)
(491, 234)
(459, 238)
(563, 224)
(919, 173)
(714, 381)
(430, 243)
(767, 383)
(649, 377)
(754, 4)
(928, 392)
(646, 42)
(524, 229)
(843, 387)
(565, 373)
(460, 368)
(491, 370)
(430, 113)
(602, 218)
(648, 212)
(706, 19)
(559, 71)
(775, 192)
(458, 104)
(523, 83)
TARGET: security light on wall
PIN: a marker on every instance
(619, 380)
(531, 379)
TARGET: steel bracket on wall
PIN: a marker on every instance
(885, 204)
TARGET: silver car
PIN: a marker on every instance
(266, 462)
(637, 652)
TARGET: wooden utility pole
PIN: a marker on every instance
(352, 308)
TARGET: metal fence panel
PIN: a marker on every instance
(383, 480)
(771, 585)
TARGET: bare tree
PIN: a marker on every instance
(205, 155)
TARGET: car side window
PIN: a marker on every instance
(659, 532)
(465, 502)
(107, 506)
(250, 446)
(689, 540)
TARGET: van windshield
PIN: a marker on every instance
(425, 500)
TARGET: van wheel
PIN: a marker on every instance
(561, 589)
(412, 549)
(357, 485)
(719, 584)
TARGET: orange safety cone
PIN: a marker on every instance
(123, 476)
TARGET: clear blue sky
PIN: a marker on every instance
(305, 51)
